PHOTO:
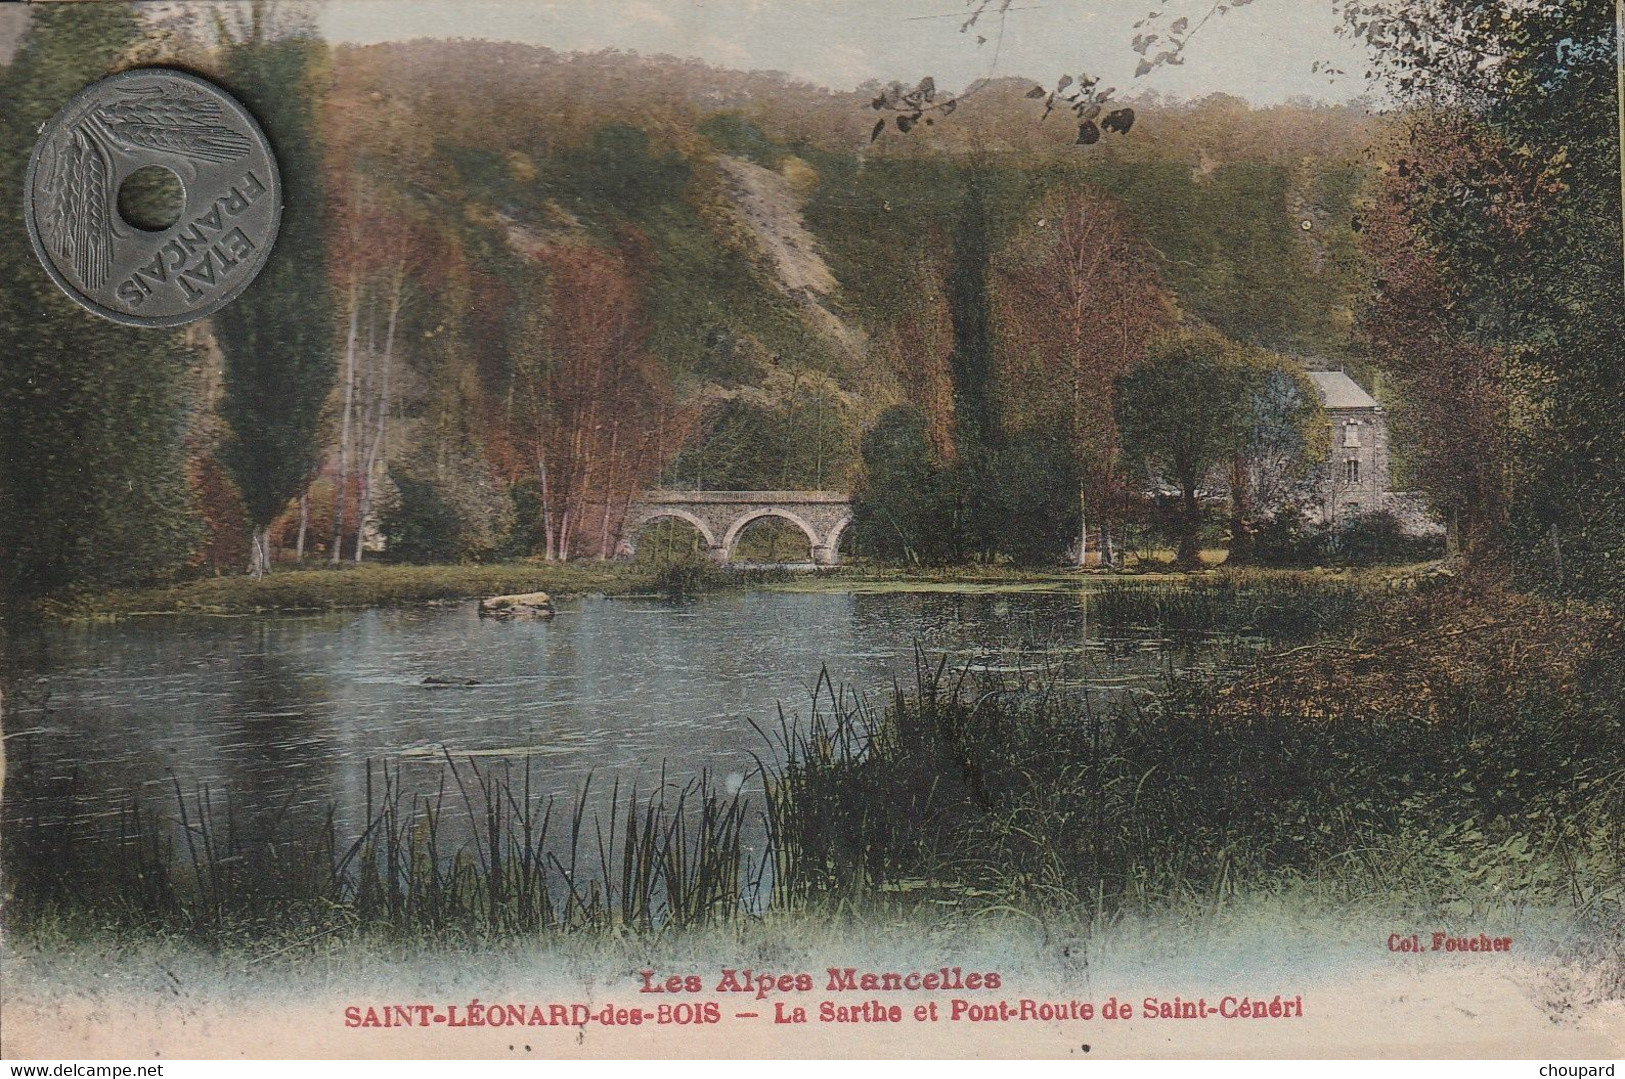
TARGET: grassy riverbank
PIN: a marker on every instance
(321, 587)
(1436, 749)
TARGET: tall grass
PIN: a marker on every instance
(984, 794)
(482, 857)
(1277, 606)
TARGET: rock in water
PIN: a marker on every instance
(521, 605)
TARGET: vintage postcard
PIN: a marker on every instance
(808, 528)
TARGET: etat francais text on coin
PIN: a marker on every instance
(229, 206)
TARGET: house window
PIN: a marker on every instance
(1351, 471)
(1351, 434)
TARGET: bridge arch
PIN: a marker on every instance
(630, 534)
(745, 520)
(721, 516)
(832, 542)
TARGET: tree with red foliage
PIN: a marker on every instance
(1078, 299)
(589, 403)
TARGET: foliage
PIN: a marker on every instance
(734, 134)
(586, 404)
(276, 339)
(978, 429)
(905, 511)
(421, 526)
(1290, 538)
(94, 489)
(620, 168)
(1373, 538)
(795, 434)
(1077, 299)
(945, 296)
(1281, 445)
(1503, 213)
(1033, 481)
(971, 364)
(1232, 245)
(444, 509)
(1181, 414)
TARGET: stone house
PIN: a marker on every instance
(1356, 477)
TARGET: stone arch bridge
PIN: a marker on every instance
(720, 516)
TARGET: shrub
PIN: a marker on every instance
(419, 525)
(1380, 537)
(1290, 538)
(690, 577)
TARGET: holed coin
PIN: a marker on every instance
(96, 207)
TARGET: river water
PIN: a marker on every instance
(292, 710)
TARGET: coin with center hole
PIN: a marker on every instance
(152, 198)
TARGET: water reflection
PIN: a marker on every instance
(290, 711)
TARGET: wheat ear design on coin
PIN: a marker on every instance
(80, 212)
(187, 126)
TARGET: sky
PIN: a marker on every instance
(1263, 51)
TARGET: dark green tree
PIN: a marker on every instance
(972, 362)
(1033, 493)
(904, 511)
(92, 479)
(277, 337)
(972, 367)
(1182, 413)
(1512, 201)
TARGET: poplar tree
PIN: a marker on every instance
(277, 336)
(92, 478)
(971, 368)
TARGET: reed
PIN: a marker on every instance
(981, 793)
(1279, 606)
(482, 857)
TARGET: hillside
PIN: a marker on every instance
(776, 251)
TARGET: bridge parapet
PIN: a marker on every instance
(720, 516)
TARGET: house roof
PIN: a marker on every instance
(1338, 390)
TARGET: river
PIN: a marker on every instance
(291, 711)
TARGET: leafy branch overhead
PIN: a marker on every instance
(1086, 104)
(911, 105)
(1158, 40)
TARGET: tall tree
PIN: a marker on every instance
(1078, 299)
(277, 337)
(902, 510)
(1508, 190)
(1453, 390)
(1281, 441)
(972, 367)
(92, 480)
(1181, 413)
(588, 403)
